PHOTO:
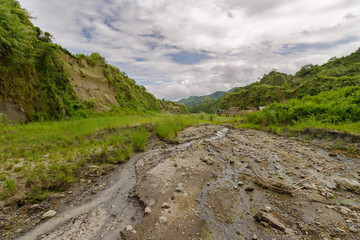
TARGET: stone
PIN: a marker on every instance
(348, 184)
(207, 160)
(270, 219)
(267, 209)
(163, 220)
(147, 210)
(240, 183)
(254, 237)
(165, 205)
(354, 228)
(344, 210)
(332, 155)
(179, 188)
(289, 231)
(249, 189)
(329, 195)
(129, 228)
(48, 214)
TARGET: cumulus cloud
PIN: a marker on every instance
(182, 48)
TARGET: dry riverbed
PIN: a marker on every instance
(217, 183)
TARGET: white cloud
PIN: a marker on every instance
(244, 39)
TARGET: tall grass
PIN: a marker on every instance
(169, 128)
(139, 139)
(338, 109)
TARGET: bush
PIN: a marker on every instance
(328, 107)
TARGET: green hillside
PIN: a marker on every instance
(38, 79)
(194, 100)
(279, 87)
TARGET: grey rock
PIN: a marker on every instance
(48, 214)
(129, 228)
(147, 210)
(349, 184)
(344, 210)
(354, 228)
(163, 220)
(180, 188)
(207, 160)
(267, 209)
(165, 205)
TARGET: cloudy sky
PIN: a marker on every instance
(180, 48)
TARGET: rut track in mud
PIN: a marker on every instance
(197, 190)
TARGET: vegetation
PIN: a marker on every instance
(280, 87)
(40, 158)
(338, 109)
(36, 74)
(168, 129)
(194, 100)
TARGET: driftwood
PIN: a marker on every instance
(269, 183)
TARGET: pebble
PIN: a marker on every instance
(344, 210)
(165, 205)
(354, 228)
(147, 210)
(254, 237)
(249, 189)
(240, 183)
(163, 220)
(129, 228)
(180, 188)
(267, 209)
(48, 214)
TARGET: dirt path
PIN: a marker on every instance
(225, 184)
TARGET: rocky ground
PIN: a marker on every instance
(219, 183)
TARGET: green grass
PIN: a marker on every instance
(46, 157)
(338, 110)
(139, 139)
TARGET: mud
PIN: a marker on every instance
(206, 188)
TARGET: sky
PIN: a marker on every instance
(178, 49)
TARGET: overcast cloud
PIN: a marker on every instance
(195, 47)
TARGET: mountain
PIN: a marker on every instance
(193, 100)
(40, 80)
(273, 87)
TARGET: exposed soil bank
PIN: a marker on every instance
(223, 184)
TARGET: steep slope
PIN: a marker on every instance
(310, 80)
(40, 80)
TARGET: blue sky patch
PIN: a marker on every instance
(188, 57)
(86, 33)
(155, 35)
(288, 49)
(139, 59)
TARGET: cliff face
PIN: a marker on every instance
(40, 80)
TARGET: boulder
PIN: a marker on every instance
(348, 184)
(48, 214)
